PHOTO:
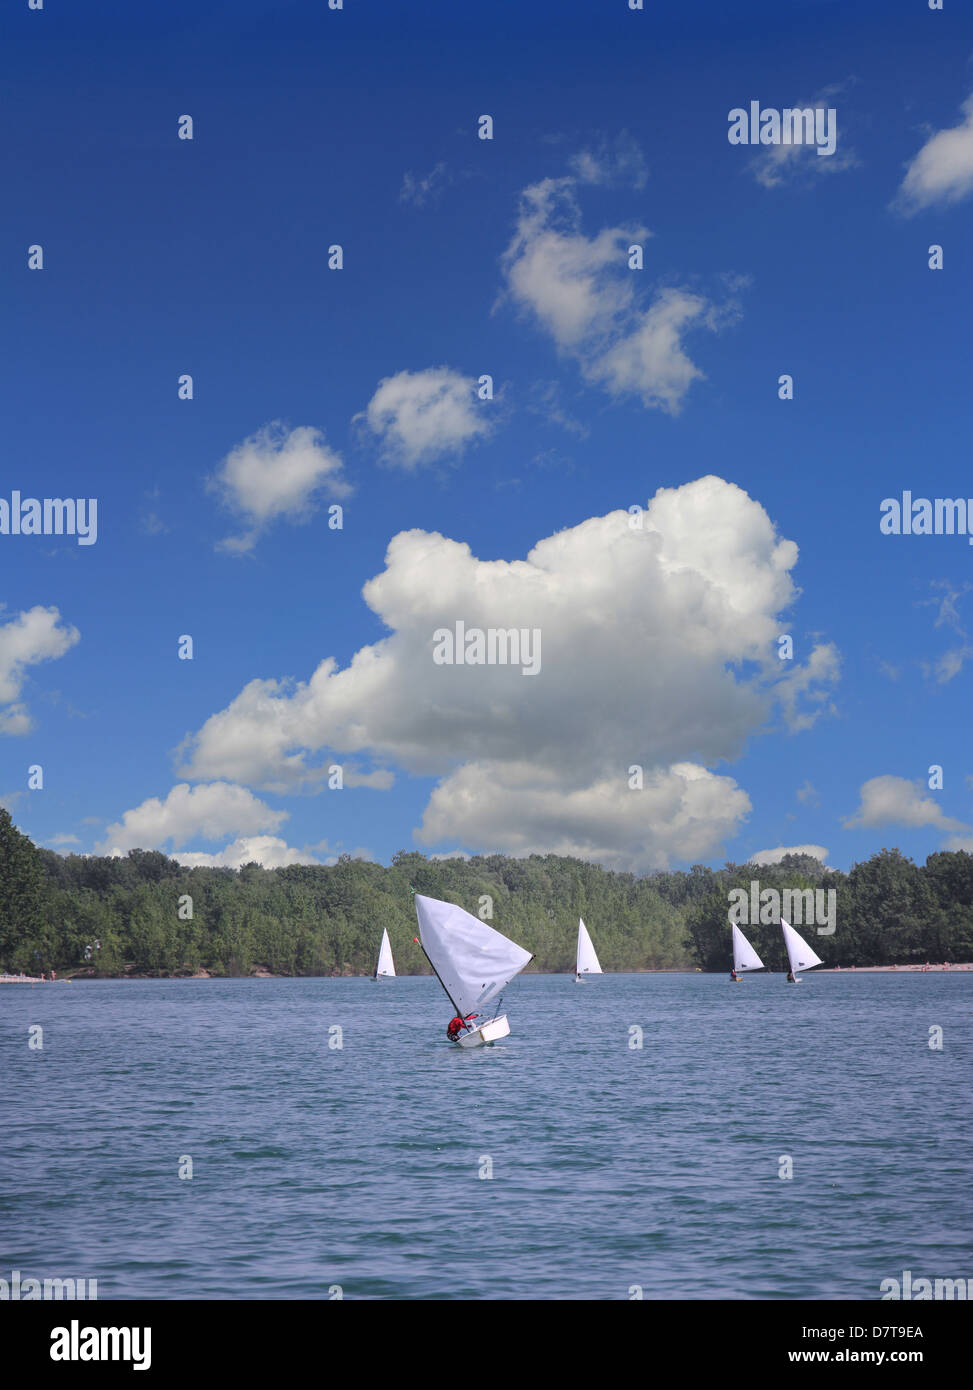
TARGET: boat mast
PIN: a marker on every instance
(459, 1011)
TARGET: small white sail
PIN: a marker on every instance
(473, 961)
(385, 964)
(744, 956)
(799, 953)
(587, 958)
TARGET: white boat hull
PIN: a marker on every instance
(487, 1032)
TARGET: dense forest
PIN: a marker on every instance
(148, 914)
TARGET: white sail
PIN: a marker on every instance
(473, 961)
(744, 956)
(587, 959)
(385, 964)
(799, 953)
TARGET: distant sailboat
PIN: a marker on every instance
(386, 966)
(744, 956)
(587, 960)
(799, 954)
(473, 963)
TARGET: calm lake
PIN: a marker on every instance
(613, 1166)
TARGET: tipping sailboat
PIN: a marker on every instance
(799, 954)
(744, 956)
(386, 967)
(587, 960)
(473, 963)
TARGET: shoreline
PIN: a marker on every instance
(893, 969)
(262, 973)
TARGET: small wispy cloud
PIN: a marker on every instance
(942, 171)
(612, 160)
(150, 522)
(775, 165)
(419, 190)
(546, 401)
(951, 663)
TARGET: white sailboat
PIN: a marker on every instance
(799, 954)
(587, 959)
(386, 966)
(473, 964)
(744, 956)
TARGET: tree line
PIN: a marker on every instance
(148, 914)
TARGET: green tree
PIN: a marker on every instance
(24, 897)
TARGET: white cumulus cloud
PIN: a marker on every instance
(266, 850)
(682, 812)
(210, 811)
(275, 473)
(269, 851)
(35, 635)
(580, 290)
(942, 171)
(774, 856)
(421, 416)
(645, 634)
(897, 801)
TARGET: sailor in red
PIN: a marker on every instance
(456, 1026)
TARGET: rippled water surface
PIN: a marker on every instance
(613, 1165)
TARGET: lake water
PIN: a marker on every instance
(612, 1166)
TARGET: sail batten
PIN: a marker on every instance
(799, 954)
(587, 959)
(473, 961)
(744, 956)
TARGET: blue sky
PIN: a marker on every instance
(462, 257)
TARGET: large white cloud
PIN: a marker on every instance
(942, 171)
(897, 801)
(645, 634)
(35, 635)
(580, 290)
(277, 473)
(682, 812)
(421, 416)
(210, 812)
